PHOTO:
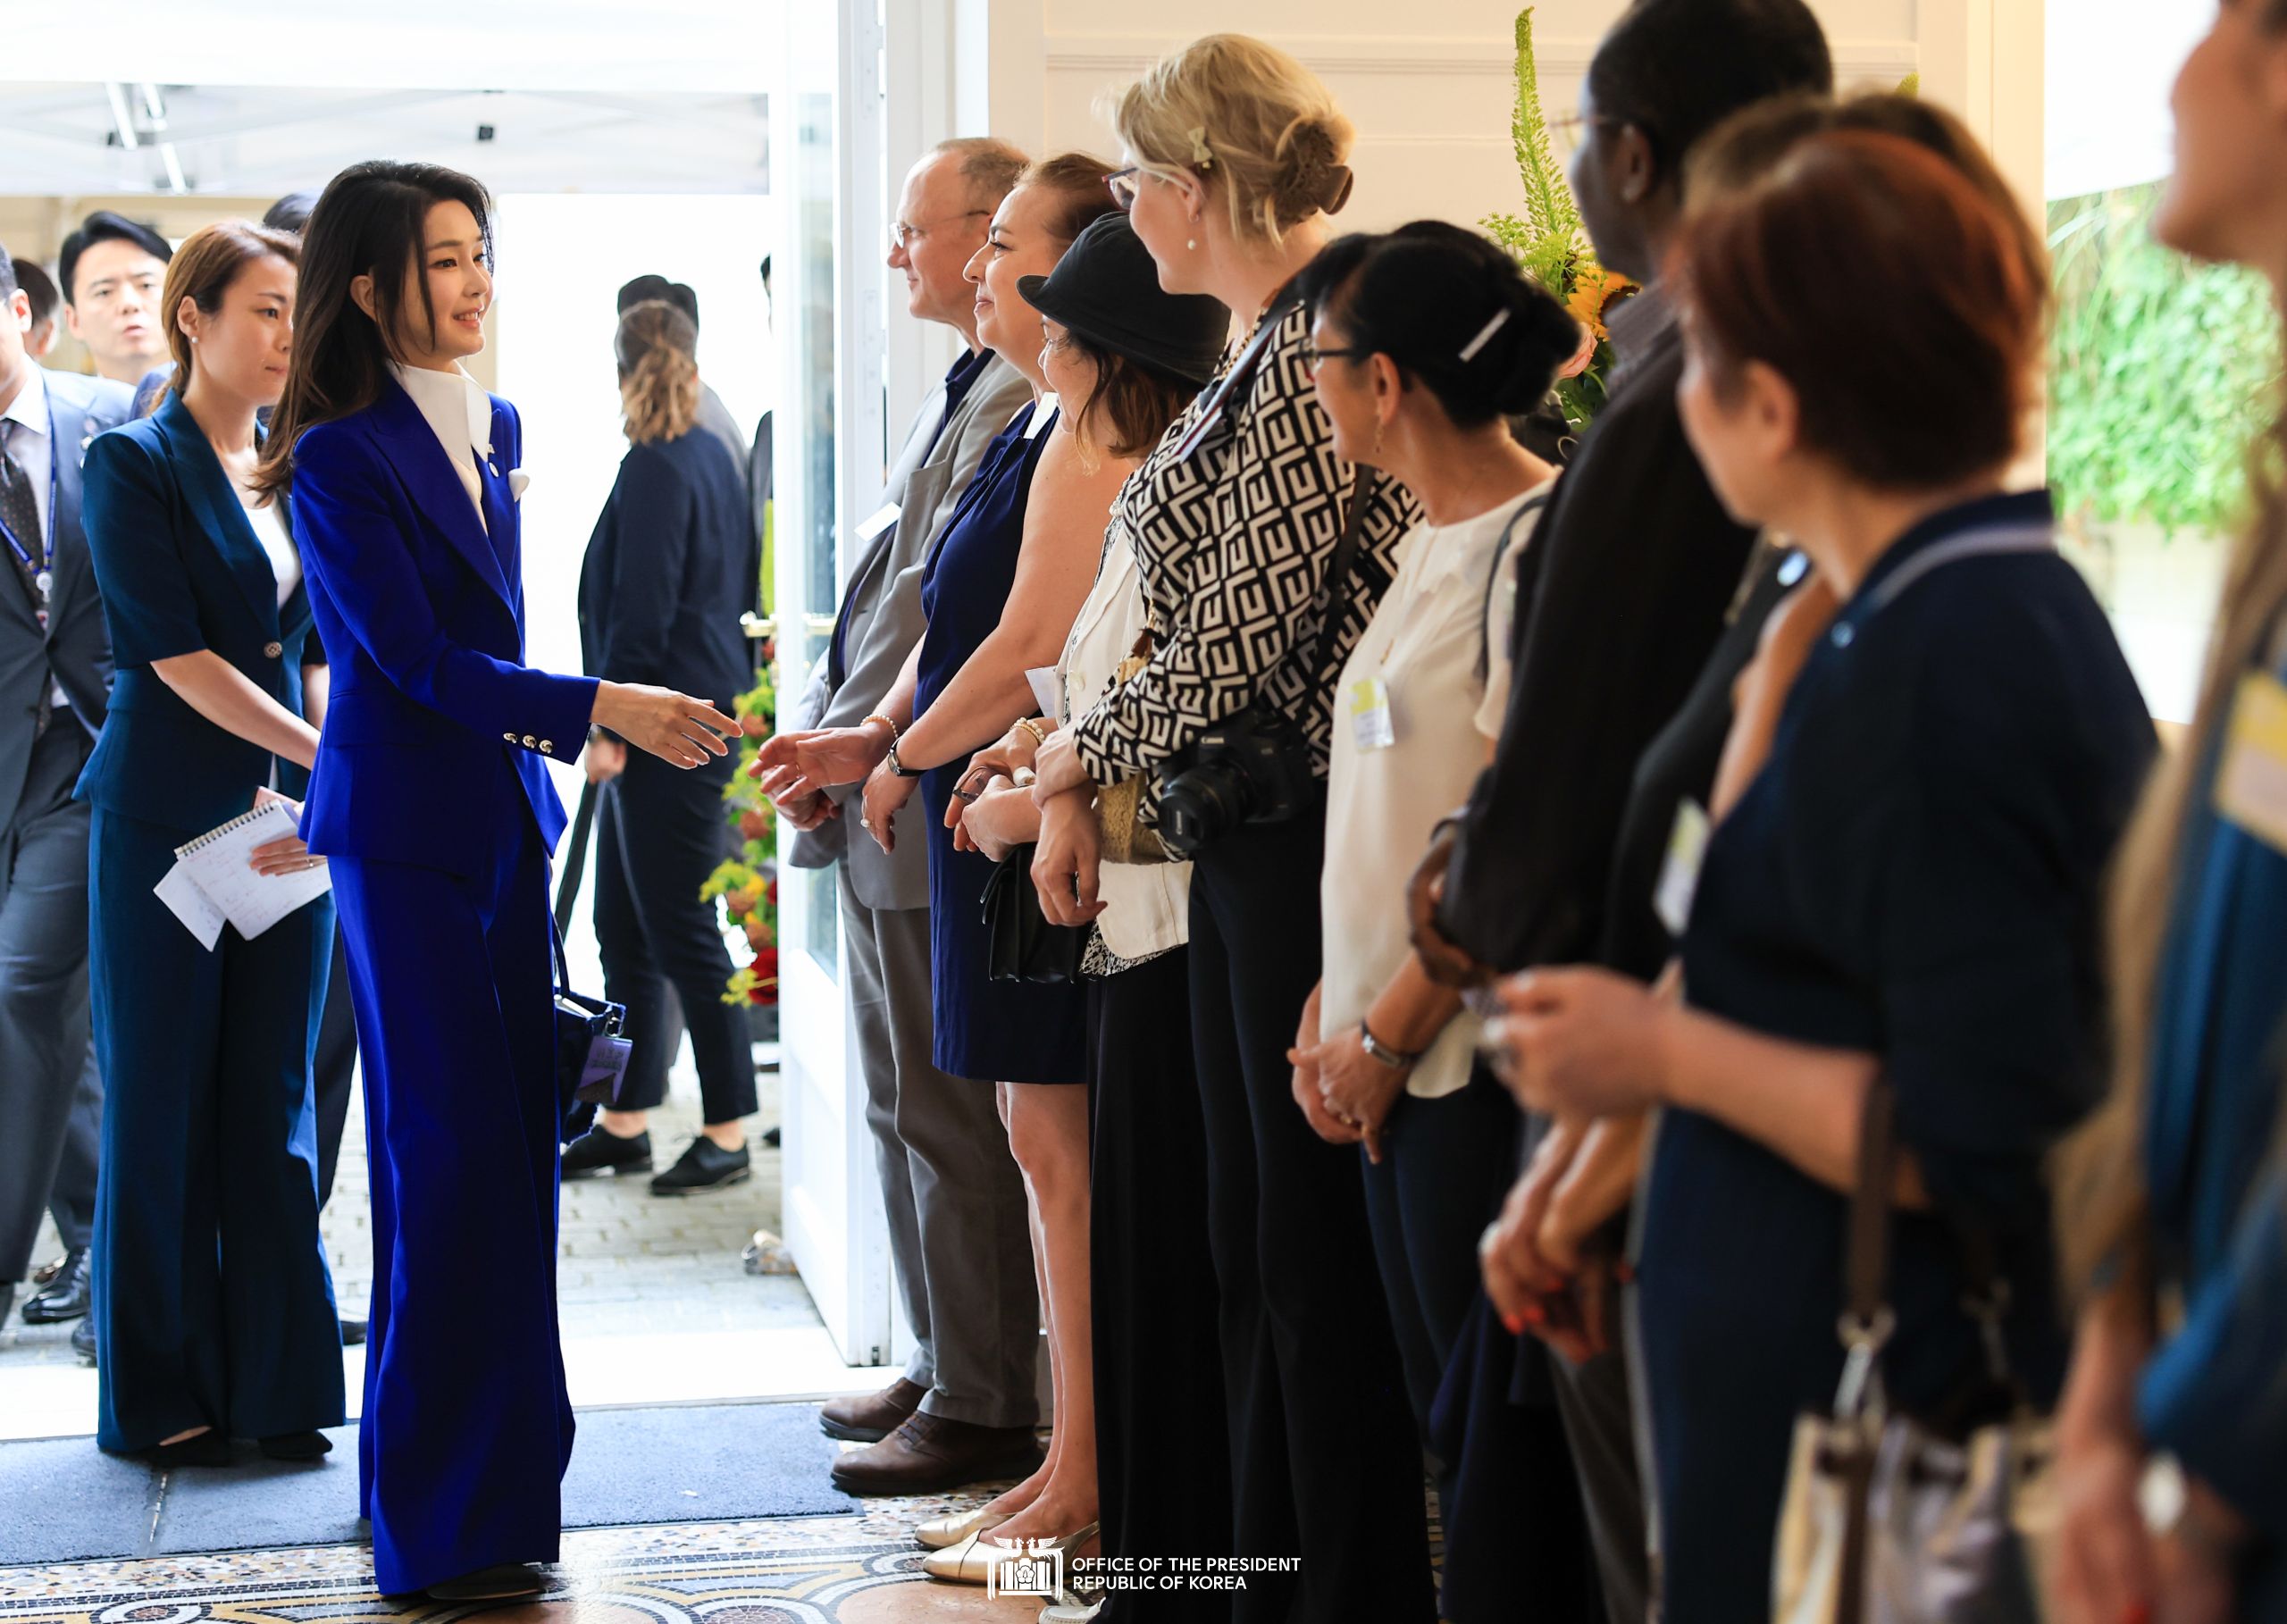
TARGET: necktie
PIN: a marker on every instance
(19, 511)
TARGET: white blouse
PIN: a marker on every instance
(269, 526)
(1415, 680)
(1147, 907)
(459, 412)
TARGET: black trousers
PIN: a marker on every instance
(659, 832)
(1162, 1465)
(1326, 1463)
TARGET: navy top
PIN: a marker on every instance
(181, 570)
(992, 1031)
(664, 576)
(1916, 872)
(2215, 1393)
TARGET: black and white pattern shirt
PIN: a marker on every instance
(1233, 542)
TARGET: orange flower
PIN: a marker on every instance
(1594, 290)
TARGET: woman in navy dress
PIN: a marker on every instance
(432, 800)
(214, 1309)
(1002, 582)
(2178, 1190)
(1907, 892)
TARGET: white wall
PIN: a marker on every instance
(1428, 87)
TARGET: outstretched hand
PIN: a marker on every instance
(793, 765)
(673, 726)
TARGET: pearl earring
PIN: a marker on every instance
(1192, 243)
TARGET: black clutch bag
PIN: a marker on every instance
(1022, 945)
(590, 1053)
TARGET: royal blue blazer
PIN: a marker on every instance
(437, 736)
(179, 570)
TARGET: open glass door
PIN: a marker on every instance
(828, 465)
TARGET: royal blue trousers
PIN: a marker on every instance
(468, 1426)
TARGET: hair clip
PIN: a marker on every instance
(1484, 336)
(1200, 155)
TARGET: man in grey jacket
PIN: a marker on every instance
(965, 1408)
(55, 671)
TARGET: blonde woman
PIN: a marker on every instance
(670, 561)
(1235, 156)
(2178, 1192)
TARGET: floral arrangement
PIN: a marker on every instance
(1552, 247)
(747, 884)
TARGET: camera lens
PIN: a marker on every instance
(1211, 800)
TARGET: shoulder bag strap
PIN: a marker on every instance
(1340, 576)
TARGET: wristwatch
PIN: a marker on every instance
(901, 769)
(1397, 1059)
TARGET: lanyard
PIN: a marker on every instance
(43, 572)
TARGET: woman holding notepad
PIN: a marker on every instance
(430, 797)
(213, 1308)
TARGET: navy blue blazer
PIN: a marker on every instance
(665, 575)
(181, 570)
(72, 649)
(436, 733)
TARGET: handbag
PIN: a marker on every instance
(590, 1053)
(1122, 836)
(1020, 943)
(1886, 1520)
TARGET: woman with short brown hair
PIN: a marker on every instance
(1906, 896)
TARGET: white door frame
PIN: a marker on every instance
(832, 1214)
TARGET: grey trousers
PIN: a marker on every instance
(44, 1014)
(71, 1203)
(958, 1232)
(1599, 1423)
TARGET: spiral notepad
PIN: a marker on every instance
(212, 882)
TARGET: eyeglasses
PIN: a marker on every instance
(1313, 355)
(1569, 131)
(1123, 185)
(904, 236)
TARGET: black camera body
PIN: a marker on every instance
(1252, 767)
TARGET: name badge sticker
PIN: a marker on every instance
(1680, 874)
(1370, 721)
(874, 523)
(2251, 778)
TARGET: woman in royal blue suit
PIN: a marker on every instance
(430, 799)
(214, 1309)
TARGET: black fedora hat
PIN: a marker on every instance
(1107, 289)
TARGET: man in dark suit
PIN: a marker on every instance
(55, 675)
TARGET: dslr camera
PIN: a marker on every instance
(1252, 767)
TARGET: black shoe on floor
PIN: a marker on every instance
(209, 1448)
(83, 1340)
(598, 1151)
(706, 1166)
(296, 1446)
(353, 1332)
(66, 1296)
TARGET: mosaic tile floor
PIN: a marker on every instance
(849, 1569)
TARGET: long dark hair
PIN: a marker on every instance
(369, 221)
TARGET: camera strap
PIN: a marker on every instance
(1340, 576)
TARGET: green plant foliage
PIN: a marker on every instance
(2161, 371)
(1547, 239)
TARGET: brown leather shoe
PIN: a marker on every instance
(929, 1454)
(871, 1416)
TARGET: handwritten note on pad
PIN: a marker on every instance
(213, 882)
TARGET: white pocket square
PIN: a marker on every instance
(517, 480)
